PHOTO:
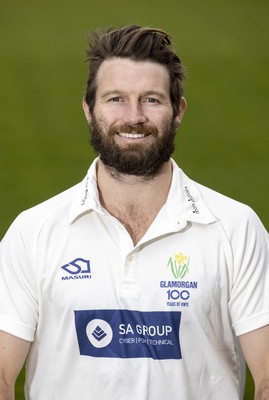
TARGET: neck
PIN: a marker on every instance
(131, 187)
(132, 199)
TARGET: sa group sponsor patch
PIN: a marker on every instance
(128, 334)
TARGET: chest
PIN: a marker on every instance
(136, 219)
(97, 266)
(176, 282)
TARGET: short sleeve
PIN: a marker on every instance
(249, 300)
(18, 289)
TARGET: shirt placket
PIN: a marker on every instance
(130, 265)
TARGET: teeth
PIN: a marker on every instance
(131, 135)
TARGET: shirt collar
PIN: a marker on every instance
(184, 202)
(86, 197)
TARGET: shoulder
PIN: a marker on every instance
(233, 216)
(228, 213)
(31, 220)
(220, 204)
(56, 213)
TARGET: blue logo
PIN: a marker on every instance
(98, 333)
(128, 334)
(77, 269)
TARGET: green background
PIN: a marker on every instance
(223, 142)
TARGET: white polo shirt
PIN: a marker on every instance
(159, 320)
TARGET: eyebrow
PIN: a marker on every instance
(155, 93)
(121, 93)
(112, 92)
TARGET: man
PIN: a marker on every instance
(137, 283)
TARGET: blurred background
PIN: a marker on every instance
(223, 142)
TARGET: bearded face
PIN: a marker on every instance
(142, 155)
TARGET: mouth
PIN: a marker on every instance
(132, 135)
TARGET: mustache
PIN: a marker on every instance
(129, 128)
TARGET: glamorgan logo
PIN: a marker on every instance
(178, 292)
(77, 269)
(179, 265)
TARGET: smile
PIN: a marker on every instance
(132, 135)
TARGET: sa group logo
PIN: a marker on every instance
(128, 333)
(179, 265)
(99, 333)
(77, 269)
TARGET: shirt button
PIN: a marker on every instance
(130, 257)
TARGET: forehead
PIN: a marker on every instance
(124, 74)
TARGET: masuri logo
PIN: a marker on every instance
(179, 265)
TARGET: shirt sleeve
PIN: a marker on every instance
(249, 300)
(18, 289)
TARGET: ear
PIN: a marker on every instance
(86, 111)
(181, 111)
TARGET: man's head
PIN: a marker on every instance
(134, 101)
(139, 44)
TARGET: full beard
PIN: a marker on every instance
(135, 158)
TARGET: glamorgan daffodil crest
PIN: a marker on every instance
(179, 265)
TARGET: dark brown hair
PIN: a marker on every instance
(139, 44)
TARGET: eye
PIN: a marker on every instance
(116, 99)
(151, 100)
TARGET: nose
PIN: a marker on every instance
(134, 113)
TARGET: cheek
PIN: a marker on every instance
(166, 123)
(105, 121)
(161, 117)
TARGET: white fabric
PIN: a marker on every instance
(219, 250)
